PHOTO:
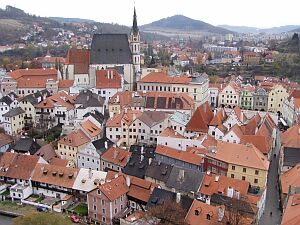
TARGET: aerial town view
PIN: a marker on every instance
(140, 113)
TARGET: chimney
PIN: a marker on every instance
(230, 192)
(217, 178)
(90, 173)
(181, 174)
(178, 197)
(150, 161)
(128, 181)
(221, 212)
(105, 145)
(116, 152)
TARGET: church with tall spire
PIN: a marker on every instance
(135, 45)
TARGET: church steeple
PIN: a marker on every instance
(135, 29)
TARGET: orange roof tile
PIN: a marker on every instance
(91, 128)
(290, 178)
(23, 73)
(291, 214)
(200, 119)
(291, 137)
(114, 188)
(65, 83)
(80, 58)
(239, 154)
(219, 118)
(185, 156)
(109, 78)
(169, 132)
(117, 156)
(259, 141)
(212, 183)
(55, 175)
(161, 77)
(75, 139)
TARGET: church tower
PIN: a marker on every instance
(135, 46)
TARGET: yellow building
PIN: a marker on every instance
(276, 97)
(27, 104)
(239, 161)
(14, 121)
(70, 145)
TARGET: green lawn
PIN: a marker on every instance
(81, 209)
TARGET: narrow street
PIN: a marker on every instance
(272, 199)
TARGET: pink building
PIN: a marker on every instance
(109, 201)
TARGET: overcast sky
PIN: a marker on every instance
(257, 13)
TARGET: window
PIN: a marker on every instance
(244, 170)
(232, 175)
(233, 167)
(255, 181)
(116, 210)
(103, 211)
(243, 178)
(256, 172)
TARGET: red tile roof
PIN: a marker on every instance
(80, 58)
(200, 119)
(161, 77)
(259, 141)
(75, 139)
(184, 156)
(65, 83)
(114, 188)
(109, 78)
(117, 156)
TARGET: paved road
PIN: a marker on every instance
(272, 199)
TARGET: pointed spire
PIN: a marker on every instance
(135, 29)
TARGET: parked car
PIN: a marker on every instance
(74, 218)
(41, 209)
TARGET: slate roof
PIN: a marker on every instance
(136, 166)
(26, 144)
(96, 115)
(7, 100)
(185, 180)
(100, 144)
(110, 49)
(159, 171)
(30, 98)
(88, 99)
(14, 112)
(159, 196)
(291, 156)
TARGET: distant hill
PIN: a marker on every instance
(180, 24)
(297, 30)
(71, 20)
(15, 23)
(255, 30)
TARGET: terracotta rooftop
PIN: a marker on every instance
(169, 132)
(91, 129)
(259, 141)
(5, 139)
(55, 175)
(291, 137)
(219, 118)
(6, 160)
(75, 138)
(290, 178)
(114, 188)
(117, 156)
(80, 58)
(48, 73)
(109, 78)
(244, 155)
(200, 119)
(184, 156)
(65, 83)
(291, 215)
(161, 77)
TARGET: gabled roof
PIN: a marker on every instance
(109, 78)
(291, 214)
(244, 155)
(218, 118)
(47, 73)
(152, 118)
(117, 156)
(26, 144)
(159, 171)
(250, 127)
(185, 180)
(6, 160)
(110, 49)
(183, 156)
(80, 58)
(291, 137)
(47, 152)
(75, 138)
(55, 175)
(5, 139)
(6, 99)
(114, 188)
(259, 141)
(90, 128)
(200, 119)
(213, 183)
(162, 77)
(86, 99)
(14, 112)
(22, 166)
(237, 130)
(169, 132)
(290, 178)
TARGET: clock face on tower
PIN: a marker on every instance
(134, 39)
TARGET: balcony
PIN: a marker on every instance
(43, 113)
